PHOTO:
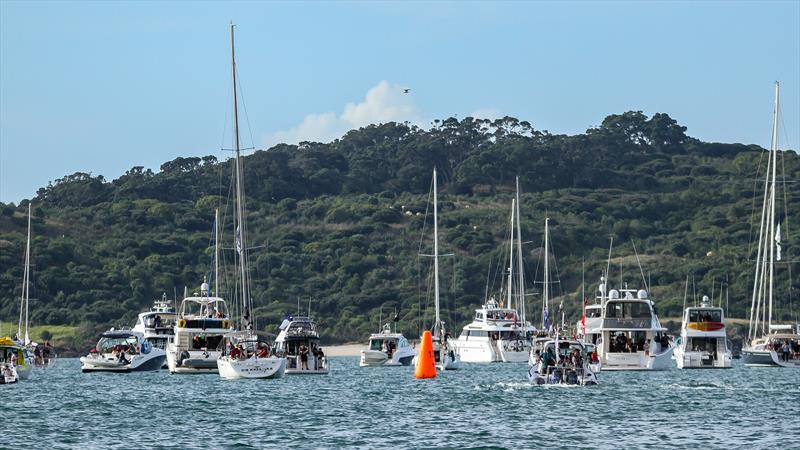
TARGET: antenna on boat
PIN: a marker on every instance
(608, 265)
(647, 288)
(685, 291)
(694, 292)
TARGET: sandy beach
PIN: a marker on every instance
(352, 349)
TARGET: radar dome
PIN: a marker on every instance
(614, 293)
(642, 294)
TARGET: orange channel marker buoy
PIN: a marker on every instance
(426, 365)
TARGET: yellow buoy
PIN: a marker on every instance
(426, 365)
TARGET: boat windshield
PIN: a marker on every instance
(127, 344)
(382, 345)
(705, 315)
(159, 320)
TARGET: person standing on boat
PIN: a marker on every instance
(303, 351)
(785, 349)
(647, 348)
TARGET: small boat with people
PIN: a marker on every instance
(123, 351)
(298, 342)
(203, 321)
(44, 355)
(387, 348)
(562, 361)
(8, 373)
(16, 356)
(703, 343)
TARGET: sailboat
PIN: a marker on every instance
(500, 333)
(15, 351)
(769, 344)
(249, 356)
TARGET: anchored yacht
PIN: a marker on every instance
(495, 335)
(157, 325)
(123, 351)
(703, 342)
(387, 348)
(202, 323)
(298, 341)
(631, 336)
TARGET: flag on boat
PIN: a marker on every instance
(583, 317)
(778, 242)
(238, 240)
(546, 319)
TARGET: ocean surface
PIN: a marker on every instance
(480, 406)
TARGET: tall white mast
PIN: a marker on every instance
(774, 151)
(546, 291)
(438, 324)
(520, 268)
(25, 286)
(216, 252)
(510, 295)
(239, 220)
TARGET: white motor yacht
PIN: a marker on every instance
(123, 351)
(495, 335)
(298, 341)
(387, 348)
(632, 337)
(158, 324)
(703, 341)
(203, 322)
(563, 361)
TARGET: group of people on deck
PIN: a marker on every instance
(786, 349)
(239, 351)
(303, 353)
(570, 360)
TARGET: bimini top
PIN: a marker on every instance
(120, 334)
(6, 341)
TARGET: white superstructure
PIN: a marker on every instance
(203, 322)
(703, 342)
(631, 336)
(157, 325)
(298, 342)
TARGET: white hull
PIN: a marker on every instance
(701, 360)
(767, 358)
(638, 361)
(251, 368)
(477, 351)
(513, 351)
(154, 360)
(315, 366)
(563, 376)
(197, 362)
(377, 358)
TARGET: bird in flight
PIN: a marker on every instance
(406, 90)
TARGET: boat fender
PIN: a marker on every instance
(146, 347)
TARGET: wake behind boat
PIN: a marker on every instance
(122, 351)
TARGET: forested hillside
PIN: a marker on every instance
(344, 223)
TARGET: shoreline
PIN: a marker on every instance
(351, 349)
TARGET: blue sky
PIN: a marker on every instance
(101, 87)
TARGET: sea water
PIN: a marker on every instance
(478, 406)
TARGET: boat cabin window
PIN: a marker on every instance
(464, 334)
(478, 315)
(705, 315)
(510, 335)
(383, 345)
(159, 321)
(593, 312)
(627, 341)
(699, 344)
(510, 315)
(209, 342)
(628, 310)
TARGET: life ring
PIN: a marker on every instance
(225, 324)
(146, 347)
(181, 323)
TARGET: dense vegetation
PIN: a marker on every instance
(343, 223)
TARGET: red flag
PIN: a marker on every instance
(583, 318)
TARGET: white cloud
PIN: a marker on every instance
(487, 113)
(383, 103)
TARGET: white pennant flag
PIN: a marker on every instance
(238, 240)
(778, 242)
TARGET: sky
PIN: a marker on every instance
(101, 87)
